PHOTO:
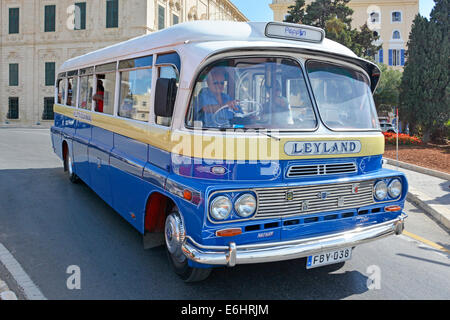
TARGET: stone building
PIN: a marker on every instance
(37, 36)
(390, 19)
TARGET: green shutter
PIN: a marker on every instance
(80, 16)
(13, 108)
(13, 20)
(49, 73)
(175, 19)
(161, 18)
(13, 74)
(50, 16)
(112, 13)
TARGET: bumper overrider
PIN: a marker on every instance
(233, 254)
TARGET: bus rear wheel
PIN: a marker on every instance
(68, 166)
(174, 234)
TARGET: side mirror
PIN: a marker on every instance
(166, 91)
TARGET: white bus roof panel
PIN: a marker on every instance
(224, 34)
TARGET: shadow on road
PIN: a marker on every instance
(50, 224)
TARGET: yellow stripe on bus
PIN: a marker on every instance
(203, 145)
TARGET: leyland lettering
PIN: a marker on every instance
(322, 147)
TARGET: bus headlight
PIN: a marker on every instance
(380, 190)
(245, 205)
(220, 208)
(395, 188)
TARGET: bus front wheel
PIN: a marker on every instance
(174, 234)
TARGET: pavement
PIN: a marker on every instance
(428, 189)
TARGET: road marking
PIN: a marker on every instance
(425, 241)
(30, 290)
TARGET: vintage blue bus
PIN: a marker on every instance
(232, 143)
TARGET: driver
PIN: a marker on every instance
(212, 99)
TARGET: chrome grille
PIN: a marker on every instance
(311, 199)
(321, 169)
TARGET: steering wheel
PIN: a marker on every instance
(220, 120)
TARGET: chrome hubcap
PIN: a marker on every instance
(174, 234)
(69, 164)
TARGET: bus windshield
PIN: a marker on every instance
(253, 93)
(343, 96)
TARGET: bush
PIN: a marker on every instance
(403, 139)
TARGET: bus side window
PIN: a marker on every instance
(135, 89)
(104, 95)
(72, 92)
(86, 84)
(61, 90)
(167, 72)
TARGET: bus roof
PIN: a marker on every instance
(203, 31)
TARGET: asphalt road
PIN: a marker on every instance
(49, 224)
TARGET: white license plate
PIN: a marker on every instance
(330, 257)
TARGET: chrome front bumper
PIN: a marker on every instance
(278, 251)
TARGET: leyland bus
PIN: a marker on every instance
(232, 143)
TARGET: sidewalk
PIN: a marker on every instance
(430, 193)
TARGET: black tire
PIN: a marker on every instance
(174, 235)
(68, 166)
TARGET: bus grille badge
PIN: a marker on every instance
(305, 205)
(289, 195)
(340, 201)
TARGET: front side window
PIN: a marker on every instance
(135, 90)
(253, 93)
(343, 96)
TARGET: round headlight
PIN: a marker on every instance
(245, 205)
(380, 190)
(220, 208)
(395, 188)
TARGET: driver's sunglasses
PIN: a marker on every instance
(219, 82)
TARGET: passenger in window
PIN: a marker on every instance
(99, 96)
(69, 94)
(215, 107)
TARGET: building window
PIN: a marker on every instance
(161, 17)
(13, 108)
(13, 74)
(80, 16)
(49, 73)
(396, 57)
(175, 19)
(396, 16)
(48, 114)
(112, 13)
(13, 20)
(375, 17)
(396, 35)
(49, 19)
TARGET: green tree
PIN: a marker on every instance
(412, 89)
(296, 13)
(387, 94)
(437, 71)
(425, 85)
(320, 11)
(363, 42)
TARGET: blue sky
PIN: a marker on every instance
(258, 10)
